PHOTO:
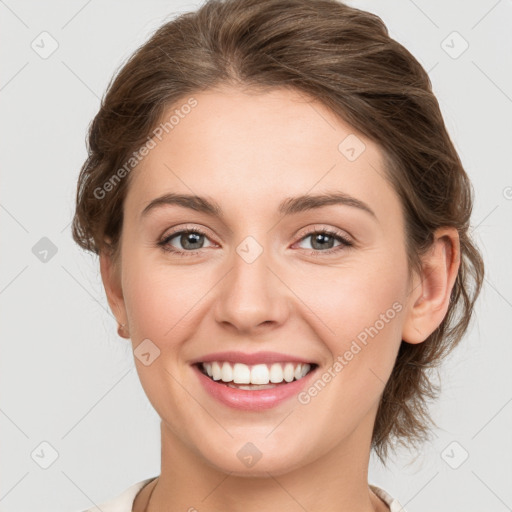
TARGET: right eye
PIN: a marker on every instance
(190, 239)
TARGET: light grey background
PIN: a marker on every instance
(67, 378)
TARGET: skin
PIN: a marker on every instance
(249, 151)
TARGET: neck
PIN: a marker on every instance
(335, 481)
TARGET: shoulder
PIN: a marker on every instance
(392, 503)
(122, 502)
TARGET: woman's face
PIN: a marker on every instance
(260, 277)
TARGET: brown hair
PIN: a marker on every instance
(344, 58)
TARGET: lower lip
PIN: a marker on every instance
(252, 400)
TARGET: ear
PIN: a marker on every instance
(429, 294)
(111, 277)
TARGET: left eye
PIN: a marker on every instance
(321, 240)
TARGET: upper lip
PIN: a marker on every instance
(251, 359)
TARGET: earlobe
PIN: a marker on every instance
(429, 296)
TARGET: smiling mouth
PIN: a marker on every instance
(258, 376)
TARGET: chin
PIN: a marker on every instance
(246, 460)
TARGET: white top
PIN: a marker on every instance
(124, 501)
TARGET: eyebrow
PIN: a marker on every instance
(289, 206)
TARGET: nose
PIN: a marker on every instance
(253, 297)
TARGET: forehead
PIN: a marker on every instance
(251, 149)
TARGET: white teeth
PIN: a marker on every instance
(241, 374)
(288, 372)
(227, 373)
(250, 386)
(216, 371)
(259, 375)
(276, 373)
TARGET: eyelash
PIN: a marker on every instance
(345, 242)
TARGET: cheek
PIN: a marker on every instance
(358, 312)
(349, 298)
(160, 299)
(358, 317)
(160, 304)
